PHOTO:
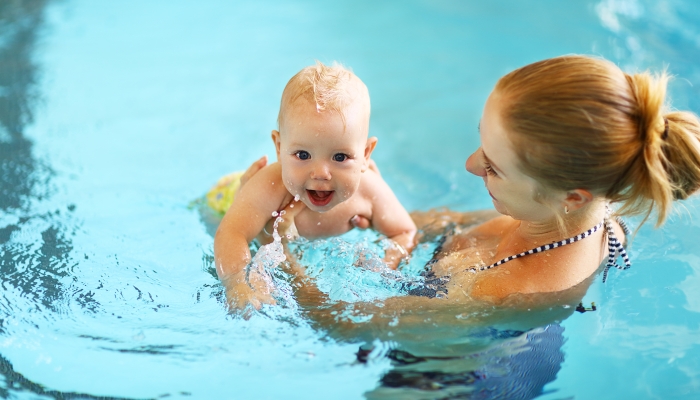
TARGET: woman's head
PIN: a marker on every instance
(578, 122)
(512, 191)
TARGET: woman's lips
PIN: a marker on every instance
(320, 198)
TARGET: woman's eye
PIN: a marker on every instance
(490, 170)
(340, 157)
(302, 155)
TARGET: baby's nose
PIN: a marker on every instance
(321, 171)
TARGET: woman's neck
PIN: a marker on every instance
(574, 223)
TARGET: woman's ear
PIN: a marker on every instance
(276, 141)
(576, 199)
(369, 148)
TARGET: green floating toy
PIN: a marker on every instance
(221, 195)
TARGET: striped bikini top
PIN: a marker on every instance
(615, 248)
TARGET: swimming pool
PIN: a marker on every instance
(115, 117)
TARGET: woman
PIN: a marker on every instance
(561, 140)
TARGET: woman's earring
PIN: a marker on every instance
(566, 209)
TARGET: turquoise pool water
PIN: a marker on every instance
(115, 116)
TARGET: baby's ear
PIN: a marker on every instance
(369, 148)
(276, 141)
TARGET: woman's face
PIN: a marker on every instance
(513, 193)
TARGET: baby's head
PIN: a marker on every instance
(322, 143)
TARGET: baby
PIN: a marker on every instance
(323, 158)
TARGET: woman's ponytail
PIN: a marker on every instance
(669, 168)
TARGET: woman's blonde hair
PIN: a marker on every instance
(579, 122)
(329, 88)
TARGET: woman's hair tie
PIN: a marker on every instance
(665, 134)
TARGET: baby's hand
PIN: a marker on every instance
(241, 293)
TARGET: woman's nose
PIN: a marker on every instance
(474, 164)
(320, 171)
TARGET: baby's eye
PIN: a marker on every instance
(302, 155)
(340, 157)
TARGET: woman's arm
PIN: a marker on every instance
(438, 218)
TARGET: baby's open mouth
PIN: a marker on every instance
(320, 198)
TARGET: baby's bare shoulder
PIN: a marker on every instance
(372, 185)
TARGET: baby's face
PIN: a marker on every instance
(322, 161)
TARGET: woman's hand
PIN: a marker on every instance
(360, 222)
(253, 169)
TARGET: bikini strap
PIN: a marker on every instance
(540, 249)
(615, 247)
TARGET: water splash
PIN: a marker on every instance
(351, 267)
(265, 263)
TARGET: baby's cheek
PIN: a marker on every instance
(350, 187)
(289, 185)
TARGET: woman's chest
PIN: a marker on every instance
(464, 251)
(473, 248)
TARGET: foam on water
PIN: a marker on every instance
(351, 267)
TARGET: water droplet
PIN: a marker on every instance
(318, 223)
(282, 213)
(297, 197)
(291, 206)
(274, 213)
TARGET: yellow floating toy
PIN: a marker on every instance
(221, 195)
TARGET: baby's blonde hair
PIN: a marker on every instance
(579, 122)
(330, 88)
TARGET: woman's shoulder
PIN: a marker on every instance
(535, 274)
(496, 226)
(553, 270)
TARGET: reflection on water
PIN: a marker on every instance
(19, 172)
(437, 348)
(35, 243)
(517, 365)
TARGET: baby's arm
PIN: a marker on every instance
(389, 217)
(247, 216)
